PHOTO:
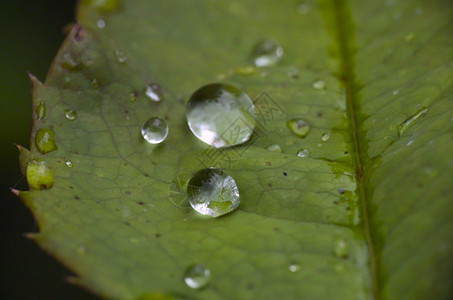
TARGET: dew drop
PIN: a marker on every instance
(212, 192)
(120, 56)
(40, 111)
(299, 127)
(153, 92)
(267, 53)
(294, 268)
(45, 140)
(303, 153)
(274, 148)
(293, 72)
(94, 83)
(68, 163)
(197, 276)
(319, 85)
(133, 96)
(154, 130)
(70, 114)
(325, 137)
(39, 176)
(221, 115)
(100, 24)
(395, 92)
(340, 248)
(403, 127)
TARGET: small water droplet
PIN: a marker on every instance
(154, 130)
(303, 153)
(395, 92)
(103, 5)
(248, 70)
(294, 268)
(39, 176)
(94, 83)
(409, 37)
(153, 92)
(68, 163)
(197, 276)
(304, 7)
(212, 192)
(274, 148)
(221, 115)
(325, 137)
(40, 111)
(45, 140)
(409, 143)
(70, 114)
(319, 85)
(120, 56)
(402, 128)
(299, 127)
(267, 53)
(100, 24)
(133, 96)
(340, 248)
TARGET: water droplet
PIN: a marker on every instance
(274, 148)
(133, 96)
(100, 24)
(303, 153)
(120, 56)
(68, 163)
(154, 130)
(299, 127)
(294, 267)
(103, 5)
(319, 85)
(70, 114)
(94, 83)
(221, 115)
(249, 70)
(395, 92)
(39, 176)
(212, 192)
(45, 140)
(267, 53)
(409, 37)
(153, 92)
(409, 143)
(325, 137)
(70, 63)
(304, 7)
(197, 276)
(340, 248)
(402, 128)
(40, 111)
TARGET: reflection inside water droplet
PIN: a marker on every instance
(303, 153)
(154, 130)
(153, 92)
(197, 276)
(267, 53)
(45, 141)
(70, 114)
(325, 137)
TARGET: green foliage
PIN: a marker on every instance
(367, 212)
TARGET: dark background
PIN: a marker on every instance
(30, 35)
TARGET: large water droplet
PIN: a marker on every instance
(70, 114)
(154, 130)
(40, 111)
(303, 153)
(299, 127)
(340, 248)
(212, 192)
(197, 276)
(221, 115)
(267, 53)
(45, 140)
(153, 92)
(39, 176)
(411, 120)
(325, 137)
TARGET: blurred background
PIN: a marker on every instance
(30, 35)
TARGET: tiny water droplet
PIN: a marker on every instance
(94, 83)
(120, 56)
(299, 127)
(39, 176)
(267, 53)
(304, 7)
(409, 37)
(409, 143)
(197, 276)
(274, 148)
(221, 115)
(395, 92)
(319, 85)
(154, 130)
(45, 140)
(103, 5)
(133, 96)
(212, 192)
(294, 267)
(340, 248)
(325, 137)
(100, 24)
(248, 70)
(402, 128)
(303, 153)
(68, 163)
(153, 92)
(40, 111)
(70, 114)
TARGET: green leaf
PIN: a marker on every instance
(366, 215)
